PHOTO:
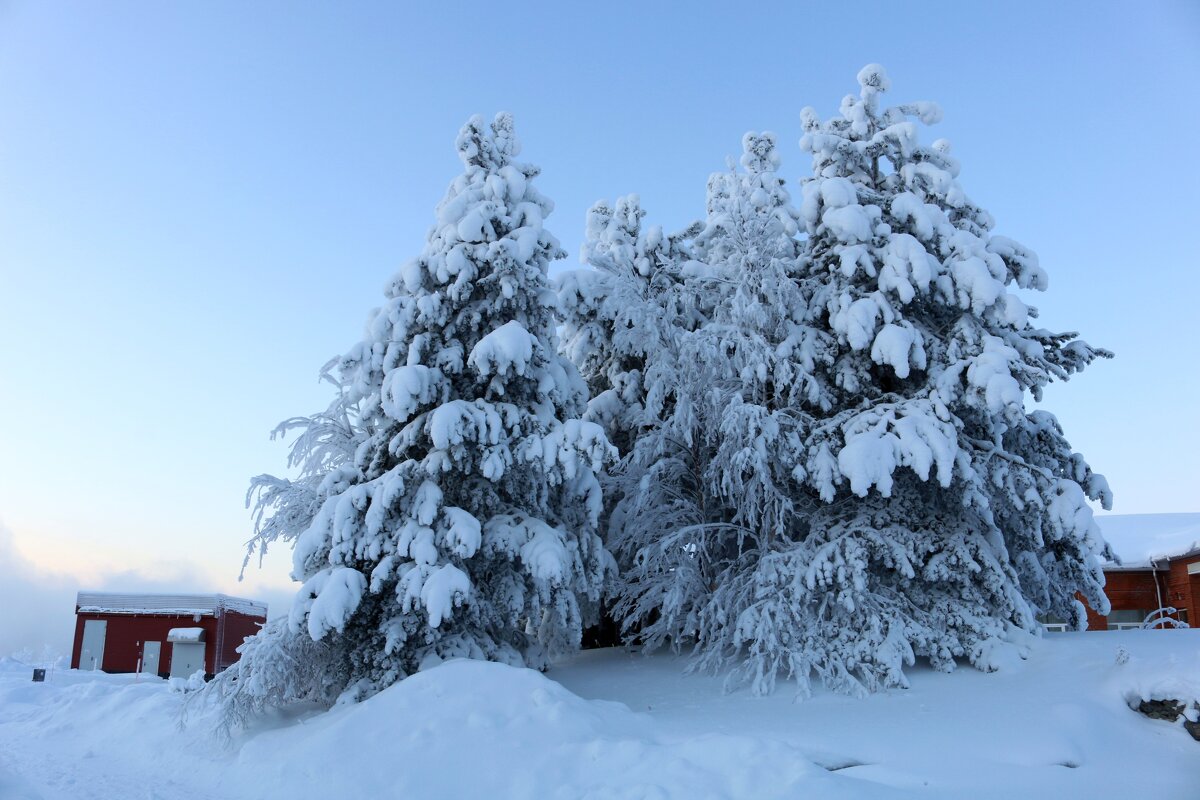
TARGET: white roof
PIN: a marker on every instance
(206, 605)
(1138, 538)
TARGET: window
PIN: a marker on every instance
(1127, 619)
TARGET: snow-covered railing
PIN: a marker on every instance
(1161, 618)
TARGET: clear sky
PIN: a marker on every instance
(199, 203)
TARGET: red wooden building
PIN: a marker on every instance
(1159, 568)
(171, 635)
(1136, 590)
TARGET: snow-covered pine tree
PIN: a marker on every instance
(283, 508)
(619, 318)
(448, 500)
(951, 516)
(888, 495)
(709, 487)
(623, 311)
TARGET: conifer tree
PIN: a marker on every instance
(454, 513)
(620, 319)
(624, 310)
(848, 477)
(709, 485)
(950, 517)
(953, 515)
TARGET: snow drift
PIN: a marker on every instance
(616, 724)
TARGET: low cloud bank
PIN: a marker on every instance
(37, 606)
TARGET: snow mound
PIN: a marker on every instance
(1138, 538)
(1175, 678)
(480, 729)
(1057, 725)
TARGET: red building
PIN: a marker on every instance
(171, 635)
(1136, 590)
(1159, 568)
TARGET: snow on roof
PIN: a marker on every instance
(1139, 538)
(185, 635)
(193, 604)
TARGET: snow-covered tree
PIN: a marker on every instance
(951, 516)
(619, 319)
(623, 311)
(853, 419)
(277, 668)
(448, 500)
(283, 508)
(710, 482)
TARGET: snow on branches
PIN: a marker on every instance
(457, 514)
(843, 475)
(825, 466)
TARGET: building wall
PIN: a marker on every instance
(1183, 590)
(1134, 590)
(236, 629)
(1095, 621)
(1127, 590)
(126, 634)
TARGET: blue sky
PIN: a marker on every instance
(200, 202)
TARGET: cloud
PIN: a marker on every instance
(37, 605)
(37, 608)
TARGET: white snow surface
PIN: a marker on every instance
(1138, 538)
(615, 724)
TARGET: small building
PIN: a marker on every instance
(170, 635)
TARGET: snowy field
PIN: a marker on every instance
(611, 724)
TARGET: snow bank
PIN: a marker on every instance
(477, 729)
(1057, 725)
(8, 664)
(614, 724)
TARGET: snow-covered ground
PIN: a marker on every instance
(612, 724)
